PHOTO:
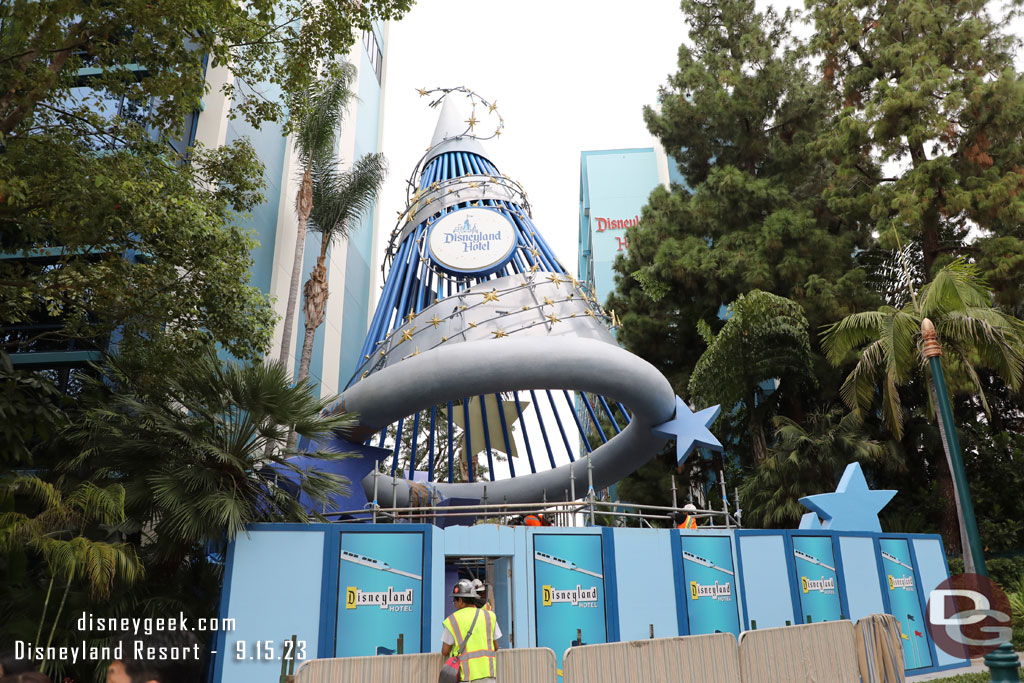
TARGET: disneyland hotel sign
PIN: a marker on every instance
(606, 224)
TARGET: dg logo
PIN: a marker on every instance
(969, 616)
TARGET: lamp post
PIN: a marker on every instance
(933, 352)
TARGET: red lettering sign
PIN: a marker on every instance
(617, 224)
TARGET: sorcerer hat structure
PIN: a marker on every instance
(479, 329)
(482, 346)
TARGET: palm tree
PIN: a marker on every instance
(191, 453)
(314, 138)
(889, 347)
(340, 198)
(60, 533)
(888, 342)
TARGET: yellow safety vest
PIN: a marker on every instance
(476, 657)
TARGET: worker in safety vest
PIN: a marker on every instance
(690, 522)
(471, 634)
(533, 520)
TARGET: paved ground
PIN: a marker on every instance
(977, 666)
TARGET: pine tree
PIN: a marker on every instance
(927, 141)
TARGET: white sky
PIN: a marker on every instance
(567, 75)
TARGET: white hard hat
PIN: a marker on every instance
(690, 507)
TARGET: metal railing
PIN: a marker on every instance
(589, 512)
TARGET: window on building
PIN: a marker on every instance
(374, 53)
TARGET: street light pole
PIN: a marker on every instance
(933, 352)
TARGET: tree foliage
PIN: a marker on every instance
(129, 242)
(764, 340)
(211, 423)
(160, 54)
(927, 134)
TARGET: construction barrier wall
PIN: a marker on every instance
(349, 590)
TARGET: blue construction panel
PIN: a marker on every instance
(765, 574)
(645, 584)
(274, 590)
(861, 575)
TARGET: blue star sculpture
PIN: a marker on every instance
(853, 507)
(690, 430)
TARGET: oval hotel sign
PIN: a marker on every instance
(472, 241)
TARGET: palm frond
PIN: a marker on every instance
(325, 104)
(851, 332)
(341, 198)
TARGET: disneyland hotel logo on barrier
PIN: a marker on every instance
(391, 600)
(604, 224)
(715, 591)
(822, 585)
(577, 597)
(968, 615)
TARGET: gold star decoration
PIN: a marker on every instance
(471, 121)
(407, 334)
(444, 339)
(435, 321)
(462, 308)
(574, 281)
(410, 317)
(365, 374)
(573, 315)
(498, 334)
(422, 92)
(525, 308)
(555, 279)
(590, 312)
(534, 252)
(552, 318)
(548, 301)
(367, 356)
(493, 106)
(534, 268)
(472, 324)
(434, 185)
(497, 133)
(416, 352)
(491, 295)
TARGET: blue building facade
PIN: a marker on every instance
(614, 187)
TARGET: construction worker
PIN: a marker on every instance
(534, 520)
(690, 522)
(471, 634)
(481, 595)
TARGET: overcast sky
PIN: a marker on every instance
(567, 75)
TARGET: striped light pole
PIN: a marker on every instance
(933, 352)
